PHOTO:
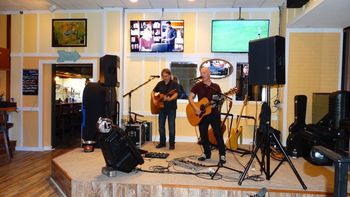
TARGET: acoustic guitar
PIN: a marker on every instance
(211, 135)
(232, 142)
(205, 106)
(159, 100)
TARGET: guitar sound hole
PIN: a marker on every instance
(202, 108)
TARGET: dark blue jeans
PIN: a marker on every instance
(214, 120)
(171, 114)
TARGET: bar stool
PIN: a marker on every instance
(4, 128)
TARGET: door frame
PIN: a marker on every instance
(95, 75)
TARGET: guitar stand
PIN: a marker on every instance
(221, 165)
(243, 151)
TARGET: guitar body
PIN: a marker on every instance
(159, 99)
(193, 118)
(211, 135)
(155, 109)
(232, 142)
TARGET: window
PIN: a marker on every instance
(253, 91)
(183, 72)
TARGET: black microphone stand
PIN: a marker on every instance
(129, 95)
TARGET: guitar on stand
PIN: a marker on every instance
(205, 106)
(211, 136)
(159, 100)
(232, 142)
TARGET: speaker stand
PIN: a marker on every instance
(267, 135)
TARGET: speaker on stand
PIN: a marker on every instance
(109, 71)
(109, 65)
(267, 67)
(267, 61)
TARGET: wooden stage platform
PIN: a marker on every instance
(79, 174)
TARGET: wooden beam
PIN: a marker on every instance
(8, 46)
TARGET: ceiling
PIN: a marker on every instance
(17, 5)
(327, 14)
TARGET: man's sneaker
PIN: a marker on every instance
(172, 147)
(203, 157)
(160, 145)
(222, 159)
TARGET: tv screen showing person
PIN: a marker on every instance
(157, 36)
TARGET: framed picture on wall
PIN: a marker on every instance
(69, 32)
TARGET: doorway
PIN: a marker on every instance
(68, 84)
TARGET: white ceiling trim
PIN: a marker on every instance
(202, 10)
(314, 30)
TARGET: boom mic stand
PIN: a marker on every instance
(129, 95)
(268, 134)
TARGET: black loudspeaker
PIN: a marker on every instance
(267, 61)
(93, 107)
(108, 70)
(119, 151)
(296, 3)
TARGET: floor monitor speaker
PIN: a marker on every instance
(267, 61)
(119, 152)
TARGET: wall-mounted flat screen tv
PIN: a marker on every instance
(233, 36)
(157, 36)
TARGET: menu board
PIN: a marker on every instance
(30, 82)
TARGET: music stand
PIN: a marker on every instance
(129, 95)
(267, 135)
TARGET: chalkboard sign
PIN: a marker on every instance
(30, 82)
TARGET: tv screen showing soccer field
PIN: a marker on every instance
(233, 36)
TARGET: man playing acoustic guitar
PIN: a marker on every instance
(168, 89)
(206, 88)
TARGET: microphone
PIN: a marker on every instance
(155, 76)
(261, 192)
(196, 78)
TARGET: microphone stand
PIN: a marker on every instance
(220, 164)
(129, 95)
(220, 93)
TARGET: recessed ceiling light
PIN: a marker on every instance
(191, 0)
(133, 1)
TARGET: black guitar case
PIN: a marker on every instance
(294, 140)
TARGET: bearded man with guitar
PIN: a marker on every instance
(165, 104)
(212, 92)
